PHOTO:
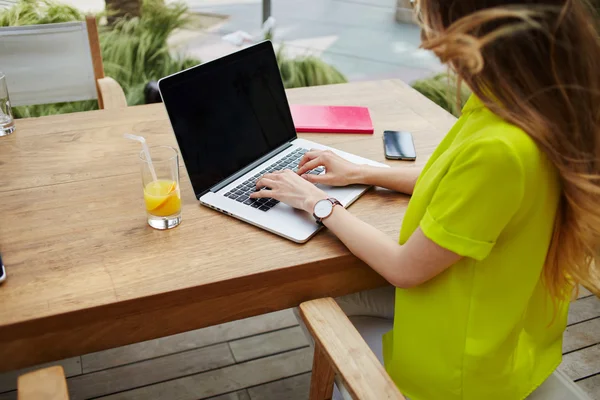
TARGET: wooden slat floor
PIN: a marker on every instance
(260, 358)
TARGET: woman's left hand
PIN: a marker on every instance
(291, 189)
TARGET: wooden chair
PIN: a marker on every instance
(340, 349)
(43, 384)
(56, 63)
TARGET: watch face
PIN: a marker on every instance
(323, 208)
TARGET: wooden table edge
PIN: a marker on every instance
(168, 313)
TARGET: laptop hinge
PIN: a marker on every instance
(243, 171)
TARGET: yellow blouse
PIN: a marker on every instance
(484, 328)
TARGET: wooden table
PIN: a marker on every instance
(85, 272)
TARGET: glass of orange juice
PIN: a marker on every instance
(161, 188)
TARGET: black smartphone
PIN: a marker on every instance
(399, 145)
(2, 270)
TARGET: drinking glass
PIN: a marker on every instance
(7, 122)
(162, 196)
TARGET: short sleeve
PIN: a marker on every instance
(480, 193)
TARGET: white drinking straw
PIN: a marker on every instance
(146, 150)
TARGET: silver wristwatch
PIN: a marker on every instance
(324, 208)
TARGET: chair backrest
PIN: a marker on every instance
(51, 63)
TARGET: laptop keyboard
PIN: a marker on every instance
(242, 192)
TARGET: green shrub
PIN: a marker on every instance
(40, 110)
(306, 71)
(37, 12)
(442, 90)
(135, 51)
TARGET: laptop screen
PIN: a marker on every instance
(228, 113)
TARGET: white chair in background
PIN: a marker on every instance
(344, 347)
(56, 63)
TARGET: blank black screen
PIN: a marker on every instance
(399, 145)
(228, 113)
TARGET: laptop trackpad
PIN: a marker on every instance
(346, 195)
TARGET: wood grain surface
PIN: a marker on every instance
(48, 384)
(110, 94)
(323, 375)
(94, 42)
(85, 272)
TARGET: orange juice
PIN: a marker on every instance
(162, 198)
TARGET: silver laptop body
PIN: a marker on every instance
(232, 122)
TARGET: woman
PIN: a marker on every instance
(504, 219)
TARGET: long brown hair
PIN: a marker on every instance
(536, 64)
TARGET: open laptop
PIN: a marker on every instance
(233, 124)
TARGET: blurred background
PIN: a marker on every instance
(317, 41)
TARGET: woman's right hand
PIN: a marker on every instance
(338, 171)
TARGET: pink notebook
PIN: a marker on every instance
(331, 119)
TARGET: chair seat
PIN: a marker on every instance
(372, 329)
(557, 387)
